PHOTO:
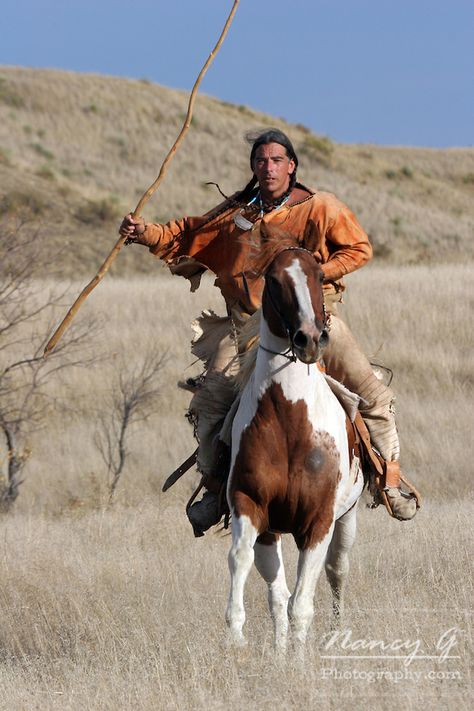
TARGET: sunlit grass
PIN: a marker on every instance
(120, 607)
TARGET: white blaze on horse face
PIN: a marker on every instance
(303, 295)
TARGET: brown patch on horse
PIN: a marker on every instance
(268, 538)
(285, 475)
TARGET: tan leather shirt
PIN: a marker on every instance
(321, 223)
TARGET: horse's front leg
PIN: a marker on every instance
(269, 563)
(301, 604)
(337, 559)
(241, 556)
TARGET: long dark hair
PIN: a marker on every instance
(263, 138)
(272, 135)
(255, 139)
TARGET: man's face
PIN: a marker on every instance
(273, 169)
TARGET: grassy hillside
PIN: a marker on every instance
(77, 151)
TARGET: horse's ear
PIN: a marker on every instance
(276, 238)
(273, 240)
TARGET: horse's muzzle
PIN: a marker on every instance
(309, 343)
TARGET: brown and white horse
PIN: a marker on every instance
(290, 470)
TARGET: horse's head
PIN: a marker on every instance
(292, 302)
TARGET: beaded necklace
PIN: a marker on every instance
(264, 206)
(269, 205)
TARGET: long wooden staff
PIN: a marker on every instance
(143, 200)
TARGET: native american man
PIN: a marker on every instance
(224, 241)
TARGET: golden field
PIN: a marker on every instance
(118, 606)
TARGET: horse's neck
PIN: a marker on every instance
(299, 382)
(275, 367)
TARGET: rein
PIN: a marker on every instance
(292, 358)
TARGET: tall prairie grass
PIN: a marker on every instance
(123, 608)
(107, 607)
(414, 320)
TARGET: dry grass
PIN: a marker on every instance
(120, 607)
(414, 320)
(88, 146)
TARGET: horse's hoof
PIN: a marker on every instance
(236, 640)
(281, 648)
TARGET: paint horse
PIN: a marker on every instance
(290, 470)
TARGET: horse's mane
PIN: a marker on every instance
(272, 241)
(248, 338)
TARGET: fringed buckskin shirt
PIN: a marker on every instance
(321, 223)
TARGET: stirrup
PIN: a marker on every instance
(400, 505)
(387, 475)
(379, 493)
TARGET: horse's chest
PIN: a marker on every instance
(290, 455)
(285, 430)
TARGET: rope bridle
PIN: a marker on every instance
(286, 354)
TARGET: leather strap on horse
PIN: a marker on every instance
(382, 473)
(193, 496)
(411, 489)
(182, 469)
(375, 461)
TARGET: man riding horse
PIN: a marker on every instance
(225, 240)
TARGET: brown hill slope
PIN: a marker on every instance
(78, 151)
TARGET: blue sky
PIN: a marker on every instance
(396, 72)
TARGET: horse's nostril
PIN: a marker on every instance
(300, 339)
(323, 339)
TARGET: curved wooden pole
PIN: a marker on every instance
(65, 323)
